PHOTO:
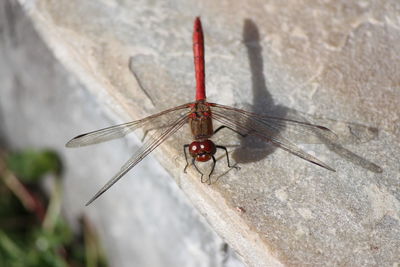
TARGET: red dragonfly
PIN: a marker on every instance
(200, 115)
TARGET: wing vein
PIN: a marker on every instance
(161, 119)
(160, 136)
(235, 119)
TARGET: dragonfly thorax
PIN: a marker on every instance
(200, 121)
(202, 150)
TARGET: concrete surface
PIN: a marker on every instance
(331, 62)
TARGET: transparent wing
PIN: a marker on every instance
(159, 136)
(159, 120)
(270, 128)
(300, 132)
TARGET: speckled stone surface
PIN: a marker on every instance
(332, 62)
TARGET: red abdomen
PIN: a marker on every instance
(198, 51)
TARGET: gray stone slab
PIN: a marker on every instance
(332, 62)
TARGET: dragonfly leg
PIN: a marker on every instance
(212, 170)
(233, 130)
(186, 158)
(197, 169)
(227, 157)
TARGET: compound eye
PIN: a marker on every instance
(208, 146)
(194, 148)
(203, 157)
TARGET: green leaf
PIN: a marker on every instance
(31, 165)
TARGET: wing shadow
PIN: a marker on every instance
(252, 149)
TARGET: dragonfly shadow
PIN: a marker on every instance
(251, 148)
(347, 133)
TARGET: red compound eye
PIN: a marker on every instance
(202, 150)
(194, 148)
(207, 146)
(203, 157)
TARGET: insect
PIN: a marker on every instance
(200, 115)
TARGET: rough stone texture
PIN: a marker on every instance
(338, 59)
(148, 221)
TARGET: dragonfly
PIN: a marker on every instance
(200, 115)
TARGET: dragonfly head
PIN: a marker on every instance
(202, 150)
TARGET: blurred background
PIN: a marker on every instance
(34, 229)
